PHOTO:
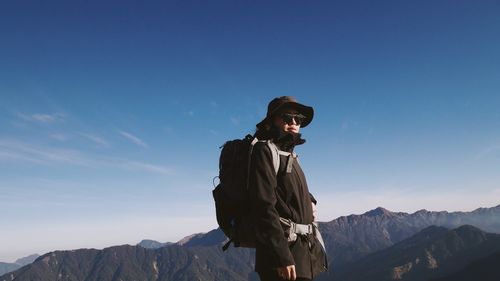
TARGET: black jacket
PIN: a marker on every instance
(284, 195)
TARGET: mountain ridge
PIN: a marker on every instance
(347, 238)
(486, 267)
(434, 251)
(357, 235)
(6, 267)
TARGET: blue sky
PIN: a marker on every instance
(111, 114)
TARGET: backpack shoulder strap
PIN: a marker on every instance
(276, 155)
(275, 152)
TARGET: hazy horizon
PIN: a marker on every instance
(175, 240)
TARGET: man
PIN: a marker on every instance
(281, 200)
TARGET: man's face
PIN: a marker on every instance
(288, 121)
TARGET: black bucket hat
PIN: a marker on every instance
(277, 104)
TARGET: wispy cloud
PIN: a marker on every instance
(11, 150)
(16, 156)
(147, 167)
(98, 140)
(60, 136)
(488, 151)
(41, 117)
(133, 139)
(14, 150)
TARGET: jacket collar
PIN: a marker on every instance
(287, 142)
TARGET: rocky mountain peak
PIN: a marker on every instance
(378, 212)
(152, 244)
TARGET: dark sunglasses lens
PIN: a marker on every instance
(299, 119)
(288, 118)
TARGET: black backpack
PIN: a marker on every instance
(231, 194)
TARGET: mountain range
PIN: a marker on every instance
(8, 267)
(375, 240)
(434, 251)
(354, 236)
(487, 268)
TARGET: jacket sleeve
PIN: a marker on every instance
(263, 183)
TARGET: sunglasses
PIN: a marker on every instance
(289, 117)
